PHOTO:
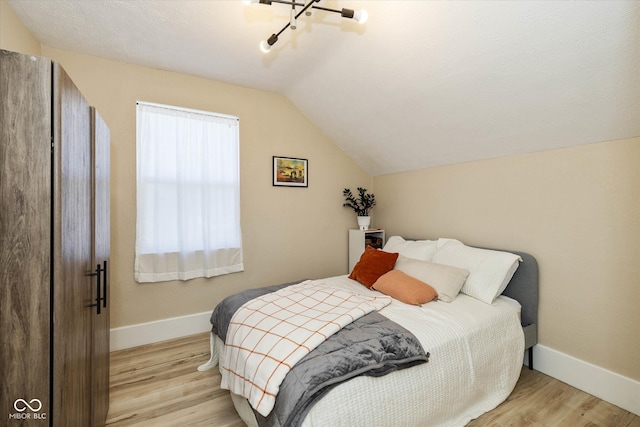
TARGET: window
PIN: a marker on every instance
(188, 194)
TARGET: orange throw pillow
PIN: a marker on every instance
(372, 264)
(405, 288)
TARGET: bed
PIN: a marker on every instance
(475, 345)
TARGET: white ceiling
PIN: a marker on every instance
(421, 84)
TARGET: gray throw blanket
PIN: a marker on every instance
(372, 345)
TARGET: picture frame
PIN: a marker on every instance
(290, 172)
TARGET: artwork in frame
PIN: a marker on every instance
(290, 172)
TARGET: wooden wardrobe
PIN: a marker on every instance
(54, 253)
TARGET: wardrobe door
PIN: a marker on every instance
(72, 296)
(25, 216)
(100, 259)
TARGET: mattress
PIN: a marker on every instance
(476, 358)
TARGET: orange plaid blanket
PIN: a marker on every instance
(268, 335)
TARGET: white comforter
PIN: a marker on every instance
(476, 357)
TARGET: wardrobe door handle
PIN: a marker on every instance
(98, 275)
(104, 285)
(98, 298)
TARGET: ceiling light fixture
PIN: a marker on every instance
(358, 15)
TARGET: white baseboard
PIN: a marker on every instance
(160, 330)
(606, 385)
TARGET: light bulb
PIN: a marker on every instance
(360, 16)
(264, 46)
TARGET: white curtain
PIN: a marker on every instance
(188, 194)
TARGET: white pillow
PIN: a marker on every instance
(489, 271)
(416, 249)
(445, 279)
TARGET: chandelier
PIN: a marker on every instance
(359, 16)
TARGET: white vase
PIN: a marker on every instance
(363, 222)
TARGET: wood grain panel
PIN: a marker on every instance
(72, 254)
(540, 400)
(25, 206)
(158, 385)
(46, 343)
(100, 247)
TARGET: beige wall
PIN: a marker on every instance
(14, 35)
(577, 210)
(288, 233)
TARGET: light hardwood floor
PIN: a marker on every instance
(158, 385)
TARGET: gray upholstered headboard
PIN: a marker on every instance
(524, 288)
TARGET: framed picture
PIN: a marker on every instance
(290, 172)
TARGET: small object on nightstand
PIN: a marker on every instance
(359, 240)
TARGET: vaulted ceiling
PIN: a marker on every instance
(420, 84)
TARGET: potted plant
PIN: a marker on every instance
(361, 205)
